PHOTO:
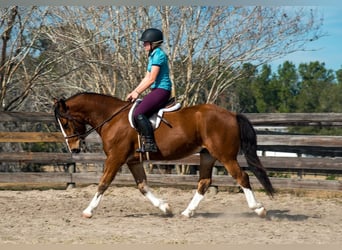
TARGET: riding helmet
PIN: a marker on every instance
(152, 35)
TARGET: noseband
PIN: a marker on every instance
(84, 135)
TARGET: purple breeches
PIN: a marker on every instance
(152, 102)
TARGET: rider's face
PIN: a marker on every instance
(147, 46)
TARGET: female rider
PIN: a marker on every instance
(158, 80)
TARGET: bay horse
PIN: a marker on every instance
(216, 133)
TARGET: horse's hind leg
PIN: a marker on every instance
(139, 175)
(206, 165)
(242, 179)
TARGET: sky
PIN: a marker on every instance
(328, 49)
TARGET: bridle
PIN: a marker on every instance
(85, 134)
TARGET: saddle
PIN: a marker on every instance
(157, 117)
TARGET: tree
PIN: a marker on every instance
(262, 90)
(62, 50)
(19, 29)
(242, 98)
(286, 85)
(316, 79)
(225, 38)
(339, 76)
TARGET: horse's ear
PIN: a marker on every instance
(55, 102)
(63, 104)
(60, 103)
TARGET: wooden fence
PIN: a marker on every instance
(325, 151)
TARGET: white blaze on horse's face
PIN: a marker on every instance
(71, 139)
(64, 134)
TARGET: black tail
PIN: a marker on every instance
(249, 148)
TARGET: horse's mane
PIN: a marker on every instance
(93, 94)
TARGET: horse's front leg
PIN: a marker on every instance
(139, 175)
(110, 170)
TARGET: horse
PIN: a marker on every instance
(214, 132)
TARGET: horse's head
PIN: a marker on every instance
(73, 129)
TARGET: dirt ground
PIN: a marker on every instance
(125, 217)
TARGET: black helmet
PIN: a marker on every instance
(152, 35)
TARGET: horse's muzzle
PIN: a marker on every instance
(75, 150)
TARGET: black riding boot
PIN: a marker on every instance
(146, 131)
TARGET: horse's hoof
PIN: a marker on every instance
(87, 215)
(261, 212)
(166, 208)
(188, 213)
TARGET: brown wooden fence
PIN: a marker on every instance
(325, 162)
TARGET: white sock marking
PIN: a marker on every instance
(93, 204)
(251, 201)
(163, 206)
(155, 201)
(193, 205)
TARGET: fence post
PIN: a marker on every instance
(71, 168)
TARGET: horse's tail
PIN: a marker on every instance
(249, 148)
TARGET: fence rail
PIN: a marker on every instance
(165, 180)
(314, 164)
(326, 151)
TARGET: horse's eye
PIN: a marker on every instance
(66, 125)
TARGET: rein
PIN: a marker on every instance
(84, 135)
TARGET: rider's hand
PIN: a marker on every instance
(132, 96)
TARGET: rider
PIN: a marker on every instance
(158, 80)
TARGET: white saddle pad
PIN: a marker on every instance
(154, 119)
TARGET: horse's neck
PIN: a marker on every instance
(96, 113)
(96, 108)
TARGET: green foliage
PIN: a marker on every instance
(309, 88)
(331, 177)
(316, 80)
(263, 90)
(279, 175)
(316, 130)
(246, 97)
